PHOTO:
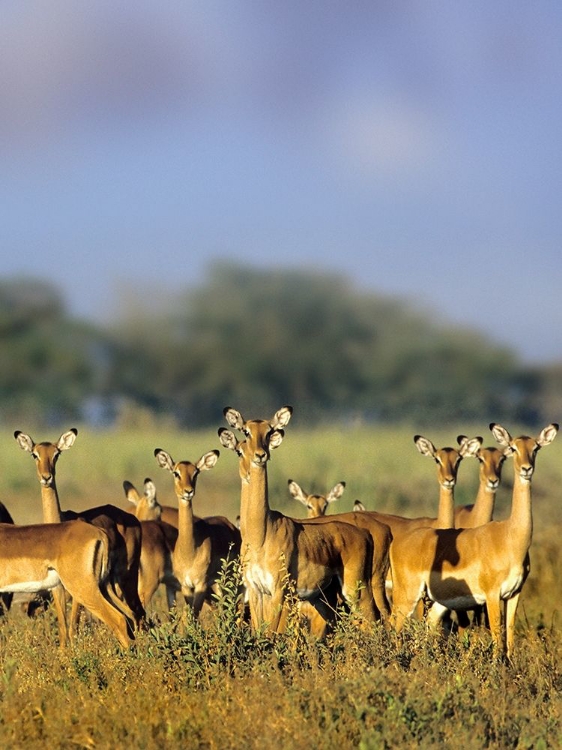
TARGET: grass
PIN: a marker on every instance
(221, 686)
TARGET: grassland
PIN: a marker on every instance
(220, 686)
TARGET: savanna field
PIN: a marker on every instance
(216, 684)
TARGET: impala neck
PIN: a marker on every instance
(185, 545)
(50, 503)
(521, 517)
(254, 506)
(446, 513)
(483, 510)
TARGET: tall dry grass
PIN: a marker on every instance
(221, 686)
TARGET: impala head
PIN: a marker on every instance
(491, 462)
(46, 454)
(524, 449)
(184, 472)
(447, 459)
(261, 436)
(147, 507)
(316, 505)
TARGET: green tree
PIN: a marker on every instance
(50, 364)
(259, 338)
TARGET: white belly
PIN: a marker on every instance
(32, 587)
(460, 602)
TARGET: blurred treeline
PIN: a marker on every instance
(257, 339)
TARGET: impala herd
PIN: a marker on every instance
(379, 566)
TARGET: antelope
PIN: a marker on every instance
(148, 508)
(123, 529)
(74, 555)
(203, 544)
(491, 461)
(275, 547)
(448, 461)
(317, 506)
(489, 564)
(158, 542)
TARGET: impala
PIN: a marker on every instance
(316, 505)
(489, 564)
(123, 529)
(203, 544)
(491, 461)
(380, 534)
(447, 461)
(275, 547)
(147, 506)
(73, 555)
(158, 542)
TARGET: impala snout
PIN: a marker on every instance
(493, 484)
(187, 494)
(46, 480)
(260, 458)
(448, 483)
(526, 471)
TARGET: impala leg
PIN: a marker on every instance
(59, 600)
(496, 626)
(255, 602)
(130, 589)
(405, 600)
(197, 602)
(170, 597)
(74, 620)
(435, 615)
(115, 620)
(357, 592)
(378, 586)
(273, 609)
(510, 612)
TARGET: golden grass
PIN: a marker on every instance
(221, 686)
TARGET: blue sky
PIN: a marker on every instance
(414, 147)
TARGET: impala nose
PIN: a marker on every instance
(526, 471)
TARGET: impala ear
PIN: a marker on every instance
(297, 492)
(471, 446)
(276, 438)
(208, 460)
(164, 459)
(24, 441)
(228, 439)
(131, 492)
(501, 435)
(67, 439)
(548, 434)
(336, 492)
(233, 417)
(358, 506)
(425, 446)
(150, 490)
(281, 417)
